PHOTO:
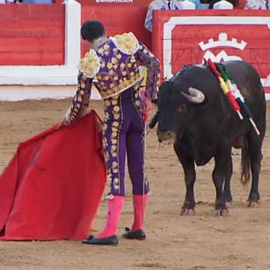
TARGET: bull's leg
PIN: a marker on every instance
(255, 154)
(227, 185)
(220, 174)
(190, 177)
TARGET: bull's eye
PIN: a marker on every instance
(182, 108)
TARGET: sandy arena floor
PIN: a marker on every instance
(240, 241)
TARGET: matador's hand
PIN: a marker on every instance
(148, 107)
(63, 123)
(87, 111)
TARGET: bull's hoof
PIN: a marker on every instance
(253, 203)
(187, 212)
(225, 212)
(221, 212)
(229, 204)
(228, 197)
(253, 197)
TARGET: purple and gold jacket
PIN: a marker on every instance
(113, 68)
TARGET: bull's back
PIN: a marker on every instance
(216, 121)
(247, 79)
(250, 86)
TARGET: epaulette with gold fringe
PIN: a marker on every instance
(90, 65)
(126, 43)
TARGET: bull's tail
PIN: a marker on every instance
(245, 163)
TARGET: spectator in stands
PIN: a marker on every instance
(212, 2)
(164, 5)
(257, 4)
(159, 5)
(197, 3)
(8, 1)
(37, 1)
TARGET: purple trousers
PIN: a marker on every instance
(123, 137)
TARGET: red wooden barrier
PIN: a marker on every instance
(35, 34)
(32, 34)
(190, 41)
(118, 19)
(106, 3)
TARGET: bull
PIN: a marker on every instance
(193, 110)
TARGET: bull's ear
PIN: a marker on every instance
(195, 95)
(165, 89)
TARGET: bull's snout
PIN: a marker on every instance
(165, 135)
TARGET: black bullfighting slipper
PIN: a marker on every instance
(91, 240)
(138, 235)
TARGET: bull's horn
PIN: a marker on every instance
(195, 95)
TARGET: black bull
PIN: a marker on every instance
(193, 110)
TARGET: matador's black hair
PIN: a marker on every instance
(92, 30)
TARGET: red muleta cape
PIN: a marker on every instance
(52, 188)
